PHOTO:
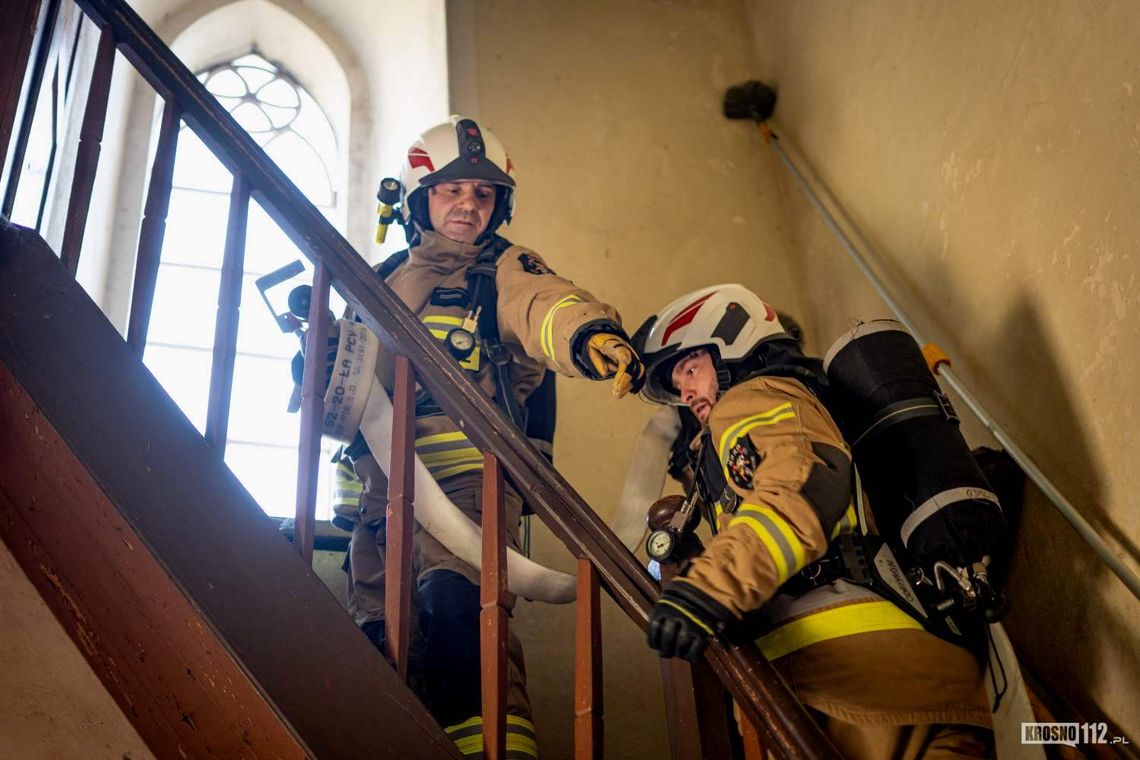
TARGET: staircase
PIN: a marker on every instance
(199, 617)
(214, 637)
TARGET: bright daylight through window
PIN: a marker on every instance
(285, 120)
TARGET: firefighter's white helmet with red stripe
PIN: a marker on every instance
(729, 320)
(457, 149)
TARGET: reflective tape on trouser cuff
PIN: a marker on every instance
(521, 742)
(864, 617)
(448, 454)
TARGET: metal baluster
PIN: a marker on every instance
(493, 613)
(229, 314)
(398, 577)
(312, 415)
(87, 158)
(152, 232)
(588, 722)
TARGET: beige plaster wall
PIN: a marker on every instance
(54, 705)
(992, 152)
(632, 184)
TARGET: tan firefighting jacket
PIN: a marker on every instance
(842, 648)
(539, 316)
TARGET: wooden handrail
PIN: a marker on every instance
(750, 678)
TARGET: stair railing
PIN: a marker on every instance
(772, 717)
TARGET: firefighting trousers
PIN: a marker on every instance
(445, 602)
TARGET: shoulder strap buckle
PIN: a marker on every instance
(497, 353)
(946, 407)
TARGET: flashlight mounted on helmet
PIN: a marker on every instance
(387, 196)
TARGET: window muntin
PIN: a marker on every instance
(262, 437)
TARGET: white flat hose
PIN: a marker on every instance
(1014, 707)
(645, 477)
(447, 524)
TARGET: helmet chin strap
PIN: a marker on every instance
(421, 220)
(723, 374)
(723, 380)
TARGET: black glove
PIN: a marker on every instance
(683, 620)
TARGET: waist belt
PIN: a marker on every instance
(847, 558)
(868, 561)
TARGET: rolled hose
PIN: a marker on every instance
(442, 519)
(645, 478)
(356, 399)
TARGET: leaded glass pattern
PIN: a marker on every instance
(287, 122)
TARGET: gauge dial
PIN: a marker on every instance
(660, 544)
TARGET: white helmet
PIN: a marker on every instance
(457, 149)
(729, 320)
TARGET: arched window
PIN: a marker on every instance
(288, 123)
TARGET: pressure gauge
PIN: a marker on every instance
(460, 343)
(660, 544)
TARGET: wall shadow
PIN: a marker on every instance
(1066, 620)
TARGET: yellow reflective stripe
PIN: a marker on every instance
(775, 531)
(428, 440)
(863, 617)
(523, 744)
(449, 457)
(443, 319)
(470, 745)
(789, 534)
(520, 741)
(847, 523)
(347, 488)
(686, 613)
(782, 571)
(548, 324)
(476, 720)
(518, 720)
(441, 474)
(771, 417)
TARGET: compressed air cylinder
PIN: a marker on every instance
(925, 489)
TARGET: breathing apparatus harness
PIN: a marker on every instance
(944, 604)
(941, 528)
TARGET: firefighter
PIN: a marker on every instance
(775, 475)
(507, 318)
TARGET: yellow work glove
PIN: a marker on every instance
(612, 355)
